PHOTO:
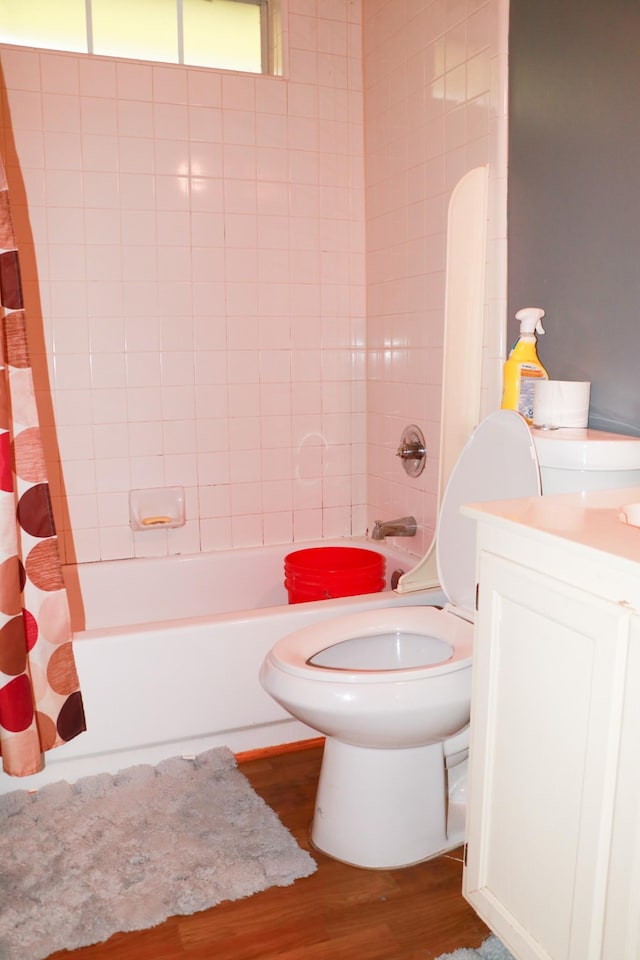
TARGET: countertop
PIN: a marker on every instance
(590, 519)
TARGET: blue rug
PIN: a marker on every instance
(491, 949)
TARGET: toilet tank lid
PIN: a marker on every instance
(573, 449)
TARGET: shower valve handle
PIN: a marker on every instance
(411, 451)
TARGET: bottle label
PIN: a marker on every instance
(529, 375)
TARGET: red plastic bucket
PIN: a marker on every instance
(322, 573)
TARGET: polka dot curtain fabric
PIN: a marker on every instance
(40, 701)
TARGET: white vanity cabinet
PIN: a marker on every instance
(553, 819)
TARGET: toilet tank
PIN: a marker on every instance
(574, 460)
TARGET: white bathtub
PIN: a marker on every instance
(168, 652)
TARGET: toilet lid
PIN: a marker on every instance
(498, 462)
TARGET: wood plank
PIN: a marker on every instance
(338, 913)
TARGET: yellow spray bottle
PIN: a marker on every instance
(523, 368)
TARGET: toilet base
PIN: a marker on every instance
(381, 808)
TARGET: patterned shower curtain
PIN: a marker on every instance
(40, 703)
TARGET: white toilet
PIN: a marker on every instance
(391, 688)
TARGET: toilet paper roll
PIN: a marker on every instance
(561, 403)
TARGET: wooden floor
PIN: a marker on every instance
(339, 913)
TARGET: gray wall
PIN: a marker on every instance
(574, 193)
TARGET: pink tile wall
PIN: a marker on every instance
(194, 263)
(193, 254)
(435, 107)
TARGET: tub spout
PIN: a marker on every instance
(404, 527)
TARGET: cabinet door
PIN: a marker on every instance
(622, 917)
(549, 665)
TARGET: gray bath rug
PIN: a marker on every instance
(114, 853)
(491, 949)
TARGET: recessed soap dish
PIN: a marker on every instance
(160, 508)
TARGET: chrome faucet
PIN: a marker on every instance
(404, 527)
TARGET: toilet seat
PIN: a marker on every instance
(292, 653)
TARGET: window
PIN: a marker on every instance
(228, 34)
